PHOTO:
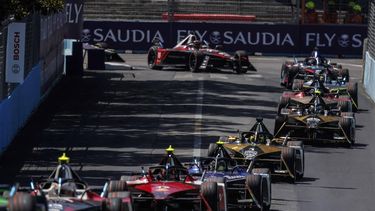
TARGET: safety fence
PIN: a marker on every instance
(16, 109)
(369, 68)
(271, 11)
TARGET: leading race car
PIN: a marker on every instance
(169, 186)
(192, 54)
(259, 149)
(244, 188)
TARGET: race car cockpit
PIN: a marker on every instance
(258, 133)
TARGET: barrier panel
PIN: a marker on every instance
(17, 108)
(263, 38)
(369, 76)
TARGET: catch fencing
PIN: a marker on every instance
(369, 70)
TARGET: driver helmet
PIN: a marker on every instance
(68, 189)
(221, 165)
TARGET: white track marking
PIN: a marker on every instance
(198, 120)
(254, 76)
(219, 76)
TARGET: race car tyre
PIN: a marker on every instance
(22, 201)
(284, 101)
(209, 192)
(238, 63)
(117, 186)
(212, 148)
(345, 106)
(348, 129)
(279, 121)
(353, 92)
(293, 71)
(195, 61)
(216, 179)
(298, 144)
(254, 185)
(266, 194)
(347, 114)
(288, 155)
(151, 58)
(113, 204)
(345, 75)
(283, 73)
(297, 84)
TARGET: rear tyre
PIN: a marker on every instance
(253, 184)
(288, 155)
(210, 193)
(279, 121)
(117, 186)
(22, 202)
(345, 106)
(113, 204)
(348, 129)
(284, 101)
(212, 148)
(298, 144)
(267, 186)
(353, 92)
(345, 75)
(151, 58)
(297, 85)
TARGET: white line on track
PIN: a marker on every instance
(218, 76)
(198, 120)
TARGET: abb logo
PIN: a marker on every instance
(16, 46)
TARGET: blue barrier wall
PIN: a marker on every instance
(17, 108)
(369, 76)
(345, 39)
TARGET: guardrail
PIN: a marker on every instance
(18, 107)
(369, 76)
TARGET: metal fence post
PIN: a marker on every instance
(171, 4)
(3, 34)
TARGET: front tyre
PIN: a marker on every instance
(241, 59)
(195, 61)
(152, 57)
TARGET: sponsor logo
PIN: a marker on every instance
(344, 40)
(16, 46)
(86, 35)
(215, 37)
(162, 188)
(16, 68)
(328, 40)
(123, 36)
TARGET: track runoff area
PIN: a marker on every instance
(120, 120)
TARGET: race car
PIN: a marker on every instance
(339, 98)
(193, 55)
(65, 190)
(169, 186)
(311, 66)
(244, 188)
(315, 122)
(257, 148)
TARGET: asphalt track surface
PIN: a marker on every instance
(113, 122)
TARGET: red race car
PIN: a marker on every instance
(169, 186)
(194, 55)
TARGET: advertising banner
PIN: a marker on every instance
(15, 57)
(74, 19)
(263, 38)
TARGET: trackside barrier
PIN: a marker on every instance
(369, 76)
(18, 107)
